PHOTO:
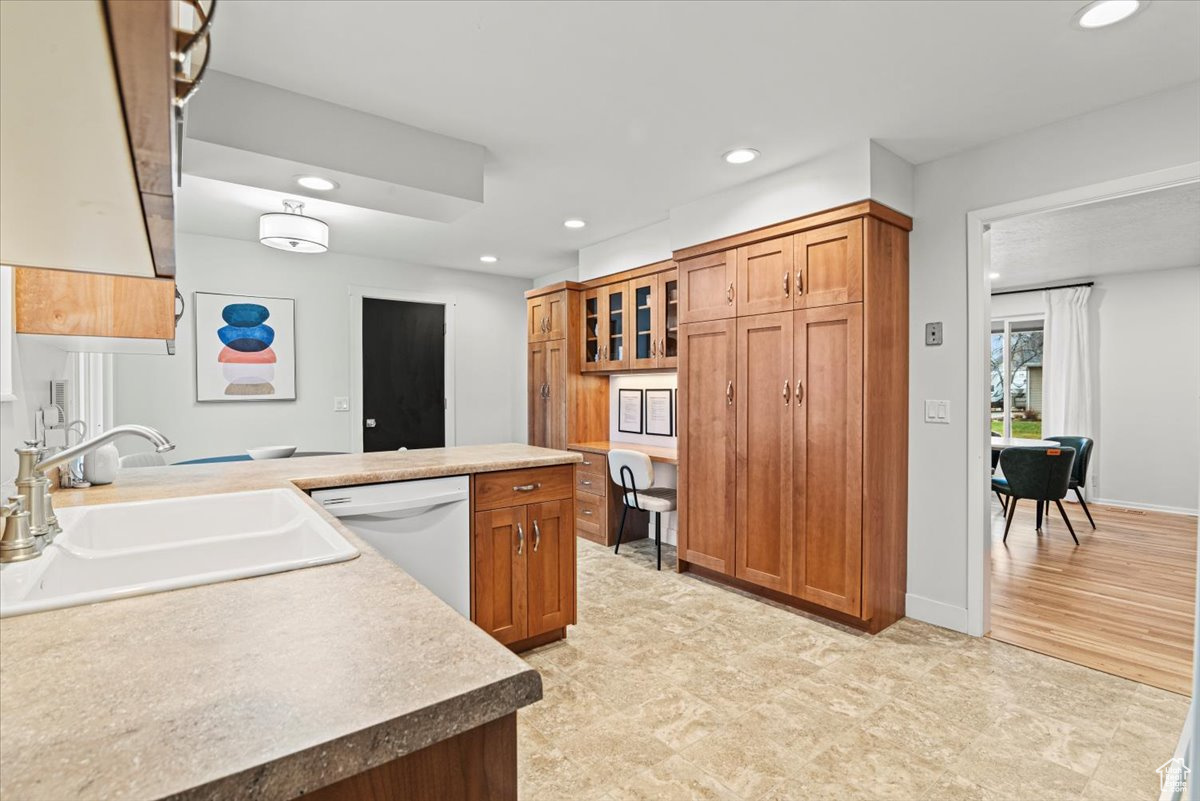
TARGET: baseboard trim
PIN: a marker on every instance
(1147, 507)
(939, 614)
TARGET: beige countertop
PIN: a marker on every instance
(261, 688)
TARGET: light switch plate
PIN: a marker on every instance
(937, 411)
(341, 404)
(933, 333)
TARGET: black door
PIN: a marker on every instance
(404, 375)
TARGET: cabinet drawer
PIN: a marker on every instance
(592, 482)
(518, 487)
(594, 464)
(591, 514)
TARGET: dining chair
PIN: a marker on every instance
(634, 472)
(1038, 474)
(1083, 455)
(995, 462)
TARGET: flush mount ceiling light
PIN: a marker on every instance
(741, 155)
(316, 182)
(488, 259)
(291, 230)
(574, 222)
(1103, 13)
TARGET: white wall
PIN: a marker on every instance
(665, 475)
(34, 366)
(1148, 387)
(489, 351)
(1151, 133)
(643, 246)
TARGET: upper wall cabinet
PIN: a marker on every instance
(829, 265)
(655, 300)
(86, 133)
(547, 317)
(606, 320)
(707, 287)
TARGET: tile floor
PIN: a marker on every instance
(674, 688)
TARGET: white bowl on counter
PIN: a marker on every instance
(271, 452)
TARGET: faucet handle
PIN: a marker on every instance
(16, 542)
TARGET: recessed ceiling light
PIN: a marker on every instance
(1103, 13)
(574, 222)
(316, 182)
(488, 259)
(741, 155)
(993, 276)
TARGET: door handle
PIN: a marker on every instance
(729, 294)
(652, 344)
(520, 540)
(369, 422)
(787, 283)
(799, 282)
(799, 392)
(662, 347)
(729, 394)
(786, 392)
(537, 536)
(527, 487)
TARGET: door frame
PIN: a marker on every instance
(357, 293)
(979, 526)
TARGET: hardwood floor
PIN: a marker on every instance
(1121, 602)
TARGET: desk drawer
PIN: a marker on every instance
(519, 487)
(590, 482)
(594, 464)
(591, 517)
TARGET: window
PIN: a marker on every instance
(1017, 377)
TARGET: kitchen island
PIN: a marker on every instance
(283, 685)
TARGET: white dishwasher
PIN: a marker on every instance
(424, 526)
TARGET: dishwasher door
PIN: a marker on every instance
(424, 526)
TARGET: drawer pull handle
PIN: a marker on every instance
(587, 512)
(586, 463)
(585, 483)
(527, 487)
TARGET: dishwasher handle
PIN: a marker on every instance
(344, 505)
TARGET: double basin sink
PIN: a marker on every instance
(124, 549)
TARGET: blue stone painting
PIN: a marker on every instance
(247, 366)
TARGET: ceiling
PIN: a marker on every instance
(1148, 231)
(617, 112)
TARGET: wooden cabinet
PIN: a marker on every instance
(547, 317)
(829, 265)
(707, 444)
(793, 476)
(548, 381)
(523, 554)
(606, 328)
(764, 450)
(764, 277)
(74, 304)
(655, 308)
(827, 446)
(707, 287)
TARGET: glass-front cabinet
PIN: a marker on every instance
(632, 325)
(644, 293)
(615, 355)
(592, 333)
(668, 319)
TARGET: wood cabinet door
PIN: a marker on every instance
(593, 329)
(667, 310)
(539, 432)
(500, 575)
(556, 393)
(535, 319)
(764, 450)
(764, 277)
(556, 315)
(706, 287)
(707, 443)
(551, 543)
(643, 295)
(829, 265)
(827, 456)
(615, 309)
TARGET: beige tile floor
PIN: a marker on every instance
(671, 687)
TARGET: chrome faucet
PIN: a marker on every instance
(33, 490)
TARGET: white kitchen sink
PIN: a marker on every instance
(122, 549)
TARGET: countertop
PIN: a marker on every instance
(656, 453)
(261, 688)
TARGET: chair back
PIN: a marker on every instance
(145, 459)
(1042, 474)
(640, 469)
(1083, 455)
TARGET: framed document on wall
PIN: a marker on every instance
(629, 411)
(659, 412)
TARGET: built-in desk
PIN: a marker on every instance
(598, 506)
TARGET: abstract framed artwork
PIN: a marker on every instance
(245, 347)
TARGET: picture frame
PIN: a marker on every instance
(245, 347)
(629, 411)
(660, 412)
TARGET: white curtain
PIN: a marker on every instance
(1067, 388)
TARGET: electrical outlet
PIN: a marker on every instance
(341, 404)
(937, 411)
(933, 333)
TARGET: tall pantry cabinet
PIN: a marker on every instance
(793, 406)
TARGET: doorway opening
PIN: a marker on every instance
(1079, 305)
(402, 371)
